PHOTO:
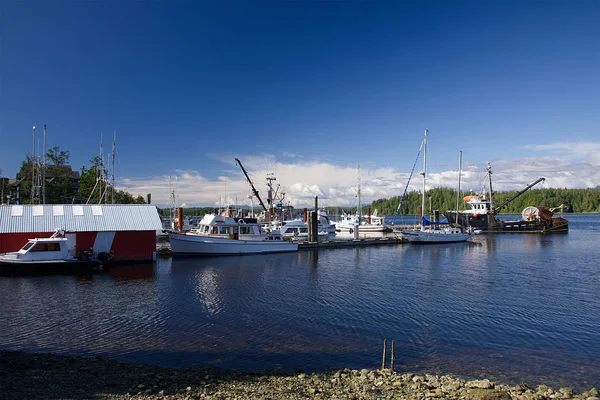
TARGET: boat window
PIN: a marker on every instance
(40, 247)
(53, 247)
(28, 246)
(245, 230)
(235, 230)
(214, 230)
(223, 230)
(303, 230)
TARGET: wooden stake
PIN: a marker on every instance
(384, 353)
(393, 356)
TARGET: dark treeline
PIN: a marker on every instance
(443, 199)
(61, 184)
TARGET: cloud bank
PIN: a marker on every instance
(564, 165)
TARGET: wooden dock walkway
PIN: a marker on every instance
(340, 243)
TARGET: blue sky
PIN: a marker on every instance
(306, 90)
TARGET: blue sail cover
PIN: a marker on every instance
(426, 222)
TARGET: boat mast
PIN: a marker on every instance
(458, 193)
(489, 170)
(424, 178)
(358, 209)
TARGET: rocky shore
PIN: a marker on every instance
(47, 376)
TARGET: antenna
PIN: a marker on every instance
(44, 169)
(36, 175)
(112, 169)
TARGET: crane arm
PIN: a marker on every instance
(496, 209)
(254, 191)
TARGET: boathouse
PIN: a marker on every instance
(125, 231)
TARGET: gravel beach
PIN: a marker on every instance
(47, 376)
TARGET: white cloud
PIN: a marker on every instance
(336, 185)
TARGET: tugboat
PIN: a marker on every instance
(482, 214)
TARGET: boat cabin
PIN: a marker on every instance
(231, 228)
(478, 205)
(42, 249)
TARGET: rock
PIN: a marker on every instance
(487, 394)
(482, 384)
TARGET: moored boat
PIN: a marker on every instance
(434, 232)
(222, 235)
(43, 256)
(483, 214)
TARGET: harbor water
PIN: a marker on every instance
(511, 307)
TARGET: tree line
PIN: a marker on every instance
(444, 199)
(63, 185)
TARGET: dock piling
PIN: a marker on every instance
(384, 354)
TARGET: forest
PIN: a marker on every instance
(444, 199)
(62, 184)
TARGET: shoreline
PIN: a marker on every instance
(50, 376)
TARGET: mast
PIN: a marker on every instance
(424, 178)
(112, 169)
(44, 169)
(358, 209)
(254, 191)
(489, 170)
(33, 165)
(458, 193)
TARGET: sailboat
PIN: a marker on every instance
(432, 232)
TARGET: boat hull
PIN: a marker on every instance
(182, 244)
(53, 267)
(361, 228)
(487, 223)
(425, 237)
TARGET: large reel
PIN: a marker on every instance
(530, 213)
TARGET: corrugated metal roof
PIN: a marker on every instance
(79, 218)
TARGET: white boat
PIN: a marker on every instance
(41, 256)
(222, 235)
(298, 229)
(434, 232)
(349, 222)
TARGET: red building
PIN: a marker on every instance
(126, 231)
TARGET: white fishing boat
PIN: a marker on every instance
(41, 256)
(434, 232)
(298, 229)
(350, 222)
(222, 235)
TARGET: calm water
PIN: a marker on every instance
(510, 307)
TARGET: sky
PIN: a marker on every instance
(307, 91)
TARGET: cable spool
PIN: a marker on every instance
(530, 213)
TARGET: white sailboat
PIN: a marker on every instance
(429, 232)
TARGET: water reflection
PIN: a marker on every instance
(137, 271)
(499, 305)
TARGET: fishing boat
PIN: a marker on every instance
(434, 231)
(482, 213)
(298, 229)
(43, 256)
(224, 235)
(349, 222)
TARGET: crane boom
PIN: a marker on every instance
(254, 191)
(495, 210)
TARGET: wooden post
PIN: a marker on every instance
(384, 353)
(393, 356)
(315, 222)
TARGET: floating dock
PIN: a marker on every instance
(165, 250)
(340, 243)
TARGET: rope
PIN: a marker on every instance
(409, 178)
